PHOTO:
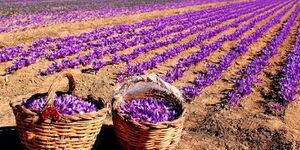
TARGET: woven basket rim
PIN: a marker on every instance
(172, 90)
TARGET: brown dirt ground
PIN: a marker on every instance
(208, 125)
(247, 126)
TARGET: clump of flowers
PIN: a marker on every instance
(151, 110)
(277, 106)
(65, 104)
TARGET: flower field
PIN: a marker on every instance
(235, 61)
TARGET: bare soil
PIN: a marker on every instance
(209, 123)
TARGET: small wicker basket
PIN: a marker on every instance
(78, 131)
(133, 135)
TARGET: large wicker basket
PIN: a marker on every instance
(65, 132)
(133, 135)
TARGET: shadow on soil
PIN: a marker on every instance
(9, 138)
(106, 139)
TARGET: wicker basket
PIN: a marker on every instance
(38, 131)
(133, 135)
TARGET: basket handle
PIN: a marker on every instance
(49, 108)
(149, 78)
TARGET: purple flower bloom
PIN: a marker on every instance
(289, 83)
(151, 110)
(190, 91)
(65, 104)
(277, 105)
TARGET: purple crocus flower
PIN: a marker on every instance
(65, 104)
(151, 110)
